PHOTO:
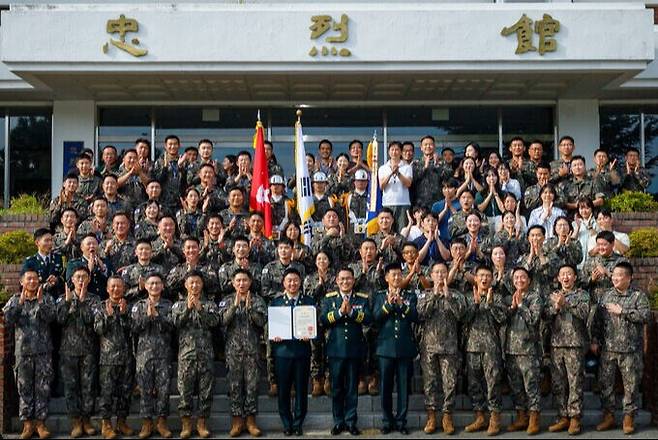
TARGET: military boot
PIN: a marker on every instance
(373, 385)
(273, 391)
(560, 425)
(123, 427)
(28, 429)
(162, 427)
(106, 429)
(494, 424)
(574, 426)
(42, 430)
(608, 422)
(447, 424)
(478, 424)
(628, 424)
(201, 427)
(253, 429)
(533, 424)
(87, 427)
(76, 427)
(317, 390)
(363, 386)
(327, 386)
(521, 422)
(237, 426)
(147, 428)
(186, 427)
(430, 426)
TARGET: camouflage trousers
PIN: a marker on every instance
(523, 376)
(78, 374)
(34, 375)
(116, 382)
(153, 378)
(193, 372)
(567, 373)
(447, 366)
(319, 356)
(630, 366)
(243, 375)
(484, 372)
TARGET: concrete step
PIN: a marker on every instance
(322, 422)
(367, 404)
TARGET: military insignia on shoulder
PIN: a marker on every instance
(331, 294)
(362, 295)
(265, 270)
(134, 309)
(222, 303)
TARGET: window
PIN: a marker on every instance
(120, 126)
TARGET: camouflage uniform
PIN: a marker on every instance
(393, 252)
(572, 190)
(241, 227)
(131, 275)
(121, 253)
(439, 346)
(191, 224)
(621, 339)
(57, 207)
(89, 186)
(132, 189)
(570, 253)
(77, 352)
(532, 197)
(337, 187)
(225, 275)
(217, 198)
(153, 356)
(317, 291)
(607, 180)
(33, 349)
(118, 205)
(338, 248)
(569, 341)
(139, 213)
(176, 279)
(527, 175)
(597, 288)
(172, 180)
(215, 253)
(167, 257)
(263, 253)
(457, 226)
(522, 355)
(195, 354)
(483, 351)
(307, 258)
(636, 181)
(322, 204)
(543, 274)
(146, 230)
(427, 182)
(555, 171)
(116, 362)
(514, 247)
(243, 329)
(68, 251)
(282, 213)
(86, 228)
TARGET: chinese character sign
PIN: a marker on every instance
(546, 28)
(321, 24)
(122, 26)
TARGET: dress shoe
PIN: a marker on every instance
(287, 432)
(354, 430)
(385, 430)
(298, 432)
(337, 429)
(403, 431)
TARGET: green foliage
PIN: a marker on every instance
(653, 297)
(4, 294)
(633, 201)
(24, 204)
(15, 246)
(644, 243)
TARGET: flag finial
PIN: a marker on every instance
(258, 116)
(299, 114)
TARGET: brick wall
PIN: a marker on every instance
(10, 276)
(630, 221)
(24, 222)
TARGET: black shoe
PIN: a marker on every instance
(298, 432)
(337, 429)
(354, 430)
(287, 432)
(385, 430)
(404, 431)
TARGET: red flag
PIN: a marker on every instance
(259, 199)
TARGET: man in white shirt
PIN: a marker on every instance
(394, 180)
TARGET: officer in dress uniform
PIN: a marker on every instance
(344, 313)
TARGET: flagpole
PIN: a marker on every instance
(299, 115)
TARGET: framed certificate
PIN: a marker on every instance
(279, 323)
(304, 320)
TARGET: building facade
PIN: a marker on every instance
(77, 75)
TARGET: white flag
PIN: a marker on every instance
(305, 206)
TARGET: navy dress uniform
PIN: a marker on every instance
(45, 266)
(346, 350)
(396, 350)
(292, 366)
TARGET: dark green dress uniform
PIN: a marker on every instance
(346, 349)
(292, 365)
(45, 266)
(396, 349)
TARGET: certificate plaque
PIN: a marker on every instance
(304, 322)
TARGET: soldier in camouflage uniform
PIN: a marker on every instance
(562, 246)
(263, 249)
(579, 186)
(240, 261)
(75, 313)
(116, 367)
(485, 313)
(633, 176)
(522, 354)
(65, 239)
(568, 313)
(389, 242)
(99, 223)
(596, 275)
(153, 192)
(618, 329)
(459, 271)
(428, 175)
(532, 194)
(134, 276)
(89, 184)
(440, 309)
(167, 248)
(176, 277)
(282, 211)
(191, 218)
(243, 317)
(68, 198)
(153, 327)
(115, 202)
(415, 275)
(120, 249)
(170, 171)
(356, 205)
(542, 267)
(194, 317)
(604, 173)
(235, 217)
(334, 240)
(132, 178)
(214, 250)
(561, 167)
(31, 313)
(457, 226)
(147, 226)
(213, 196)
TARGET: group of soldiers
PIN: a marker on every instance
(148, 260)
